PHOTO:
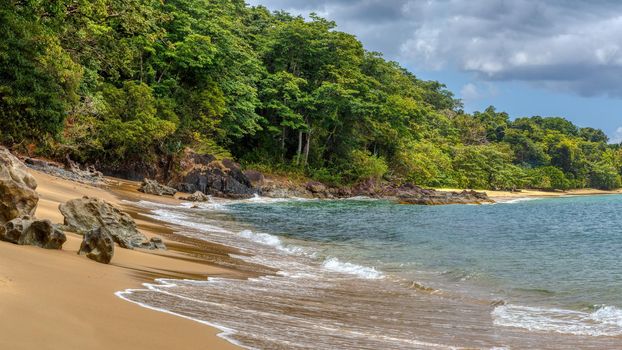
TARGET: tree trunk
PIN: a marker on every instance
(307, 148)
(299, 152)
(283, 144)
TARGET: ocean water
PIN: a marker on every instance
(372, 274)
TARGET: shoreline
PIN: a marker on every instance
(504, 196)
(75, 301)
(70, 301)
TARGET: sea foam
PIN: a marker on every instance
(605, 321)
(335, 265)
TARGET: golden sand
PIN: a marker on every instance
(52, 299)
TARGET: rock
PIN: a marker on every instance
(36, 162)
(97, 245)
(421, 196)
(218, 178)
(273, 190)
(85, 214)
(154, 187)
(13, 229)
(196, 197)
(315, 187)
(42, 233)
(156, 243)
(27, 231)
(255, 177)
(90, 170)
(17, 188)
(69, 170)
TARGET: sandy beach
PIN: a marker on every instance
(53, 299)
(68, 301)
(501, 196)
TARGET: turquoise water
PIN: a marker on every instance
(563, 252)
(373, 274)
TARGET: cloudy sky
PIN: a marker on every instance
(526, 57)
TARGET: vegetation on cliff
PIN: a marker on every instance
(130, 83)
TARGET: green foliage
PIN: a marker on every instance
(38, 79)
(548, 178)
(604, 176)
(364, 166)
(486, 166)
(424, 164)
(133, 81)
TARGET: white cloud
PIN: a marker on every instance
(617, 136)
(472, 92)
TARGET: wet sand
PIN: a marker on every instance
(52, 299)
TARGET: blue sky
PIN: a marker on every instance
(525, 57)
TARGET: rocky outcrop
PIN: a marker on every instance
(85, 214)
(27, 231)
(411, 194)
(431, 197)
(70, 170)
(280, 187)
(255, 177)
(154, 187)
(17, 188)
(196, 197)
(97, 245)
(88, 172)
(205, 174)
(315, 187)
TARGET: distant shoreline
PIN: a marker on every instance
(509, 195)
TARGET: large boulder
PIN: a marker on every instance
(27, 231)
(17, 188)
(86, 213)
(213, 177)
(97, 245)
(154, 187)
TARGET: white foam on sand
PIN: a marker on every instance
(225, 333)
(335, 265)
(182, 220)
(605, 321)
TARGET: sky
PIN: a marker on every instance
(525, 57)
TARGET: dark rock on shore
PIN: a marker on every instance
(255, 177)
(88, 172)
(197, 196)
(442, 198)
(17, 188)
(69, 171)
(27, 231)
(85, 214)
(97, 245)
(154, 187)
(406, 193)
(155, 243)
(205, 174)
(411, 194)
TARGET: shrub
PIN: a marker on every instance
(548, 178)
(604, 176)
(366, 166)
(423, 163)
